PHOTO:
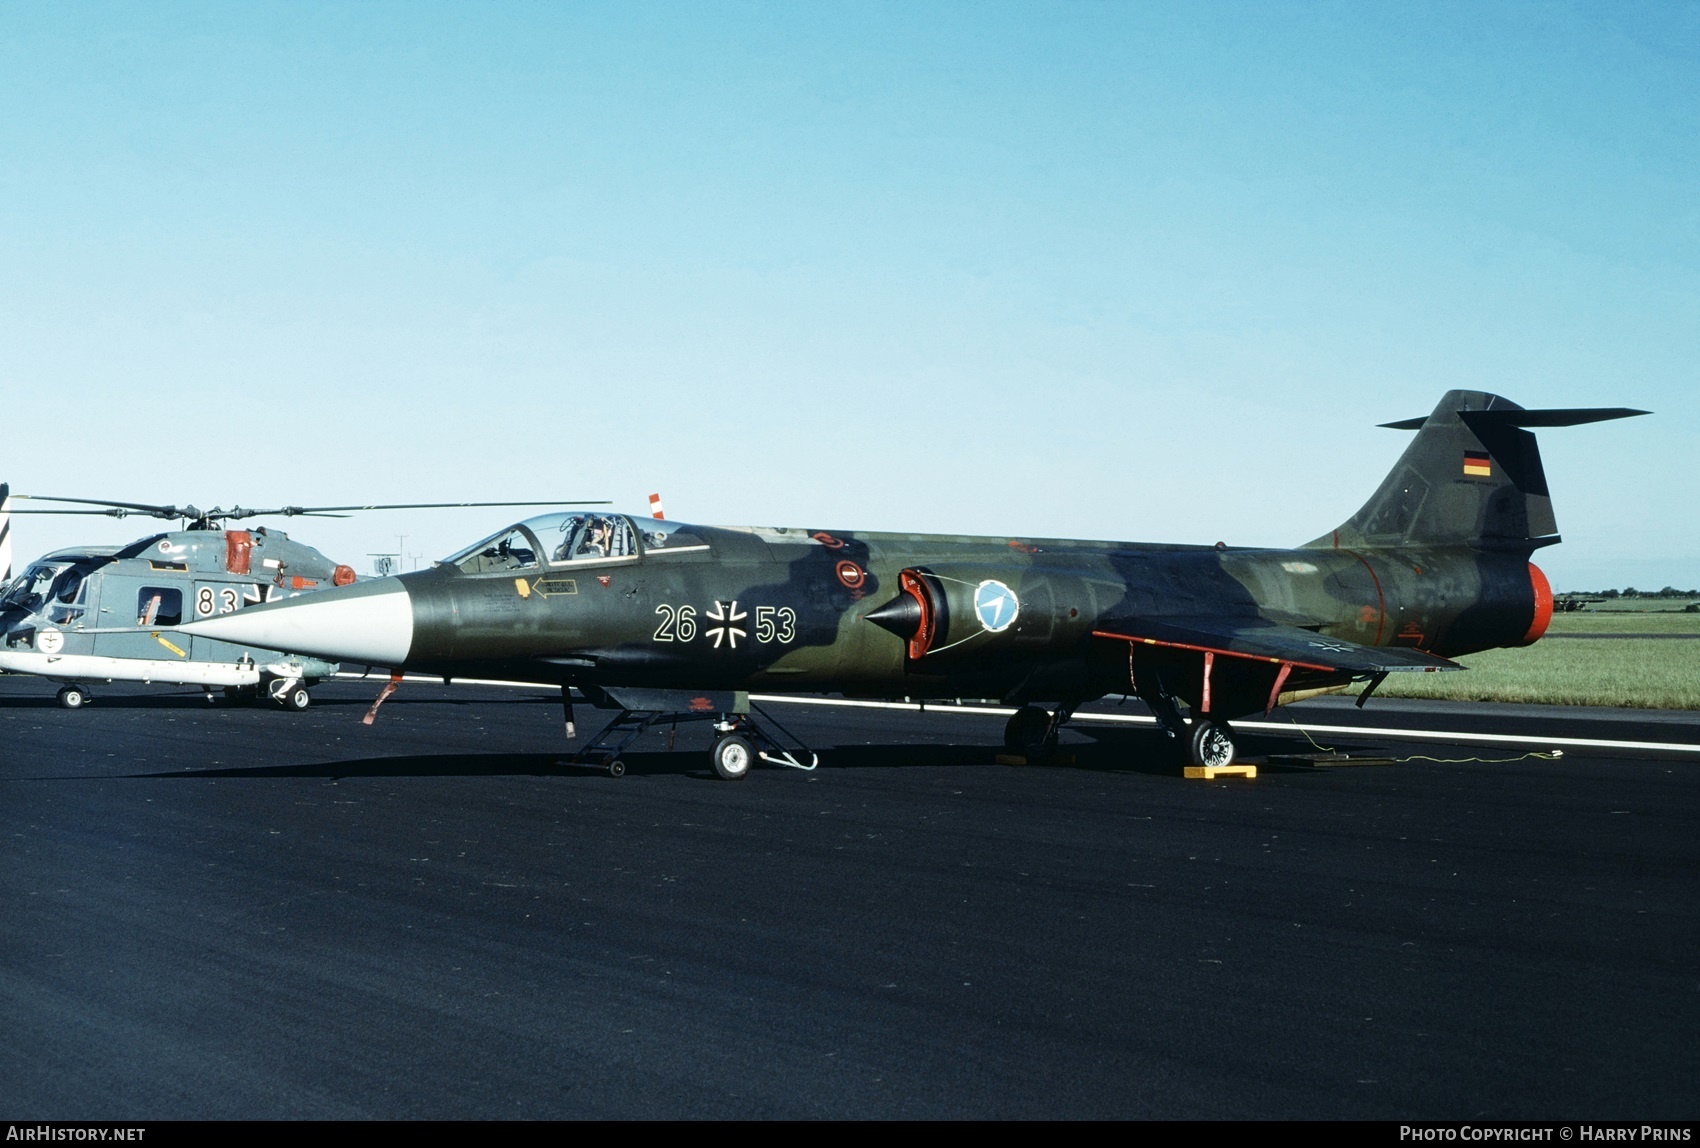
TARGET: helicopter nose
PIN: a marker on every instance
(367, 622)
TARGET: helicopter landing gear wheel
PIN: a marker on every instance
(295, 698)
(616, 768)
(73, 697)
(733, 756)
(1211, 744)
(1030, 732)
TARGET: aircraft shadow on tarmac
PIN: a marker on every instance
(682, 762)
(1142, 751)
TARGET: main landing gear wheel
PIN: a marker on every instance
(733, 755)
(1211, 744)
(73, 697)
(1029, 732)
(616, 768)
(294, 699)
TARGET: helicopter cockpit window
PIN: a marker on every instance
(512, 549)
(70, 591)
(159, 606)
(68, 587)
(32, 588)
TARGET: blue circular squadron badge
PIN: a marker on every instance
(996, 606)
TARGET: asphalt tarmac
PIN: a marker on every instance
(233, 912)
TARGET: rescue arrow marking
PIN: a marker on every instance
(166, 642)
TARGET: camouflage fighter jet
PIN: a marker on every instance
(658, 618)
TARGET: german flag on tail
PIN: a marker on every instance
(1478, 464)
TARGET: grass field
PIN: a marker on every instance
(1624, 622)
(1643, 673)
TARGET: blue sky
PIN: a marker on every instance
(1138, 271)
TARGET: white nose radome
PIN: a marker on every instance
(370, 623)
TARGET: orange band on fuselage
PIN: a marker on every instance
(1543, 604)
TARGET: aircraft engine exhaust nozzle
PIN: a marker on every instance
(367, 622)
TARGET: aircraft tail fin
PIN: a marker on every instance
(1471, 477)
(5, 533)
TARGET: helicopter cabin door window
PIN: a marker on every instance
(159, 606)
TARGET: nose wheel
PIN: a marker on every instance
(740, 741)
(733, 755)
(73, 697)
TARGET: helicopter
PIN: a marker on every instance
(110, 613)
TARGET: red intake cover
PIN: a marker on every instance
(238, 551)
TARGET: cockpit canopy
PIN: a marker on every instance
(53, 587)
(576, 536)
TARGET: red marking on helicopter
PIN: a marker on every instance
(238, 551)
(851, 575)
(827, 540)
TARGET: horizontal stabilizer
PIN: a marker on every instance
(1266, 641)
(1552, 417)
(1472, 477)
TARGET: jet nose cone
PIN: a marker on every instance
(368, 622)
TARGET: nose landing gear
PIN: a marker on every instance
(741, 740)
(732, 756)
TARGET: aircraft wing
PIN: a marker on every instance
(1265, 641)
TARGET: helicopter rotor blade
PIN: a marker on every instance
(294, 510)
(216, 514)
(134, 507)
(116, 512)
